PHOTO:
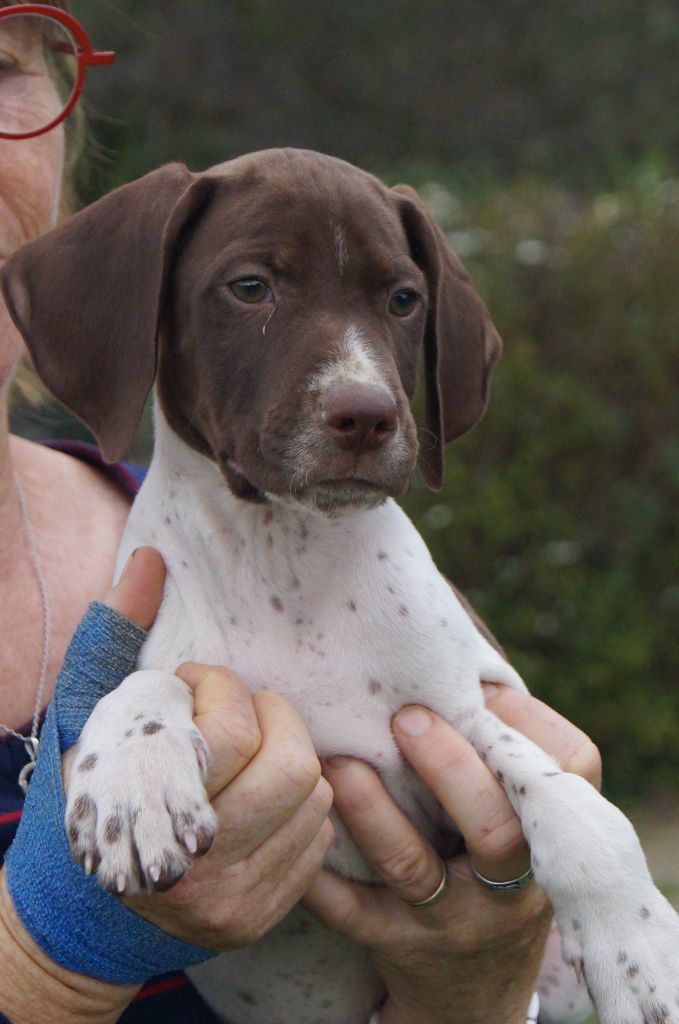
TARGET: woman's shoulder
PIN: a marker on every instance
(74, 471)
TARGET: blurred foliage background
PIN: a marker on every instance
(545, 138)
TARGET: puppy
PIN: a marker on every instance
(282, 302)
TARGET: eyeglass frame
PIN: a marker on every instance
(85, 54)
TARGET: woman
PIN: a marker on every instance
(463, 954)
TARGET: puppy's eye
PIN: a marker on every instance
(251, 289)
(403, 302)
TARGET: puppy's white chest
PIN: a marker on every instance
(348, 620)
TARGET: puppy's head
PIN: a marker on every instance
(283, 300)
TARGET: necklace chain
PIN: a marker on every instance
(31, 742)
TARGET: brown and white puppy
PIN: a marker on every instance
(283, 300)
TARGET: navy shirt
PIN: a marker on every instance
(170, 998)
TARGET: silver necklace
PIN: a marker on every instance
(32, 743)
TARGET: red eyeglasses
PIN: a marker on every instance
(44, 53)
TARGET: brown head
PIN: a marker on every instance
(283, 299)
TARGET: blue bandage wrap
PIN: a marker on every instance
(75, 922)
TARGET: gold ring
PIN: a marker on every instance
(437, 893)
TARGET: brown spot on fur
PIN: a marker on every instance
(113, 828)
(351, 605)
(151, 727)
(247, 997)
(374, 686)
(83, 807)
(276, 602)
(88, 763)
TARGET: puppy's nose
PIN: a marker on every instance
(360, 416)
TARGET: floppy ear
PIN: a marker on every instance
(461, 344)
(86, 298)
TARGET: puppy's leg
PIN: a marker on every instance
(618, 932)
(137, 811)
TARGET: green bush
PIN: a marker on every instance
(559, 513)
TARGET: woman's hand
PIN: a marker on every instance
(472, 956)
(266, 786)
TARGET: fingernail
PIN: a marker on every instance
(490, 690)
(413, 721)
(128, 563)
(338, 761)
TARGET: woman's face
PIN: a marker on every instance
(30, 169)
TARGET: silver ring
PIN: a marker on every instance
(437, 893)
(504, 888)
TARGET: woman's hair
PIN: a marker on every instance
(25, 383)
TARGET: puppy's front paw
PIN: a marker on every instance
(137, 810)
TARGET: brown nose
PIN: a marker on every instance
(360, 416)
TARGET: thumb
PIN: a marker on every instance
(226, 716)
(105, 648)
(139, 591)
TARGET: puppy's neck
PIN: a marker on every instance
(191, 496)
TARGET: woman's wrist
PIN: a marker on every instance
(494, 984)
(392, 1013)
(389, 1014)
(481, 1013)
(33, 987)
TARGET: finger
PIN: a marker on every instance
(225, 714)
(275, 857)
(356, 911)
(139, 591)
(288, 889)
(281, 776)
(570, 746)
(387, 839)
(105, 647)
(468, 791)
